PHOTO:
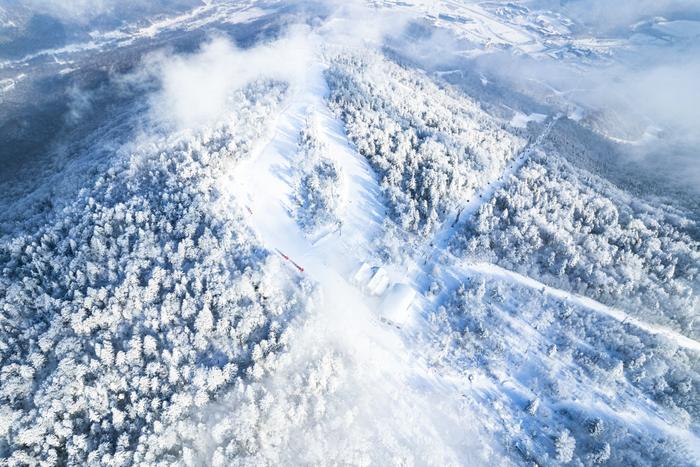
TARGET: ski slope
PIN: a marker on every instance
(408, 397)
(392, 373)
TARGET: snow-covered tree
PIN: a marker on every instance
(564, 446)
(318, 183)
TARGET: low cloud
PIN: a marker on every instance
(354, 23)
(196, 88)
(652, 105)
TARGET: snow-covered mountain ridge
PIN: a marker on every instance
(323, 233)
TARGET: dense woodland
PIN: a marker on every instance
(574, 230)
(431, 147)
(140, 301)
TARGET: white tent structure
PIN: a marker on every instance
(379, 282)
(395, 306)
(374, 280)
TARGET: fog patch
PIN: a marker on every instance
(195, 89)
(353, 23)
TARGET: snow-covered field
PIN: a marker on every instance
(346, 233)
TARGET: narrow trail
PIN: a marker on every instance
(443, 236)
(506, 275)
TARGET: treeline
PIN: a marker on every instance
(431, 147)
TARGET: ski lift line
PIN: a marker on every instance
(520, 160)
(296, 265)
(287, 258)
(282, 254)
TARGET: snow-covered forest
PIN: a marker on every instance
(432, 149)
(144, 298)
(573, 230)
(555, 358)
(349, 233)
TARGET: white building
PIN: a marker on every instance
(396, 305)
